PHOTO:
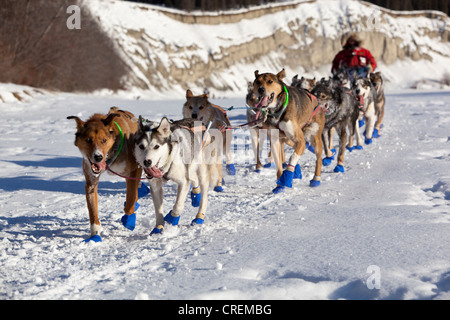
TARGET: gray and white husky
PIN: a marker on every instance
(365, 93)
(181, 152)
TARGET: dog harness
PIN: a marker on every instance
(111, 161)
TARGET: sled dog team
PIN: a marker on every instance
(303, 115)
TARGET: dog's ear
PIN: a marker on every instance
(164, 128)
(80, 123)
(141, 126)
(189, 94)
(281, 75)
(256, 74)
(295, 78)
(110, 118)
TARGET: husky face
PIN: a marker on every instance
(362, 89)
(95, 139)
(197, 107)
(328, 98)
(266, 88)
(342, 79)
(377, 81)
(303, 83)
(152, 147)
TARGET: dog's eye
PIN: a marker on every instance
(104, 140)
(201, 108)
(141, 146)
(156, 147)
(89, 140)
(270, 82)
(190, 107)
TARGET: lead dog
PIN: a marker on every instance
(199, 107)
(366, 95)
(378, 83)
(297, 116)
(107, 141)
(172, 151)
(341, 112)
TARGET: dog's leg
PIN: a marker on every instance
(156, 189)
(254, 133)
(358, 136)
(330, 139)
(91, 188)
(370, 123)
(204, 186)
(173, 217)
(329, 155)
(129, 219)
(380, 116)
(318, 148)
(342, 141)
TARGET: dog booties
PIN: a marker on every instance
(278, 189)
(129, 221)
(287, 177)
(231, 170)
(199, 219)
(196, 196)
(169, 218)
(339, 168)
(95, 238)
(157, 230)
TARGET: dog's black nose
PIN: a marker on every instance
(358, 91)
(148, 163)
(194, 116)
(98, 158)
(261, 90)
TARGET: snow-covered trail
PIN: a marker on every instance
(389, 210)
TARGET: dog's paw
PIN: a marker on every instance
(368, 141)
(327, 161)
(359, 148)
(143, 190)
(231, 170)
(269, 165)
(157, 230)
(310, 147)
(314, 183)
(129, 221)
(350, 149)
(95, 238)
(278, 189)
(297, 172)
(339, 168)
(375, 133)
(196, 196)
(287, 177)
(218, 189)
(361, 123)
(169, 218)
(199, 219)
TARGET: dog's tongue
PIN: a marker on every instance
(99, 166)
(262, 103)
(361, 100)
(154, 172)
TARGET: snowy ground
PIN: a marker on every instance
(384, 222)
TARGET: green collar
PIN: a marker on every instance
(120, 146)
(287, 97)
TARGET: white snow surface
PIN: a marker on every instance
(388, 214)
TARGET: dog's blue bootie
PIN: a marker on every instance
(286, 178)
(359, 148)
(339, 168)
(143, 190)
(199, 219)
(367, 141)
(361, 122)
(217, 189)
(375, 133)
(129, 221)
(297, 172)
(278, 189)
(269, 165)
(231, 170)
(95, 238)
(327, 161)
(196, 196)
(350, 149)
(157, 230)
(171, 219)
(314, 183)
(310, 147)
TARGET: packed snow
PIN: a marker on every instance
(378, 231)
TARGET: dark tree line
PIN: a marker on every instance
(214, 5)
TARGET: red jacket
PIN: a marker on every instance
(354, 57)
